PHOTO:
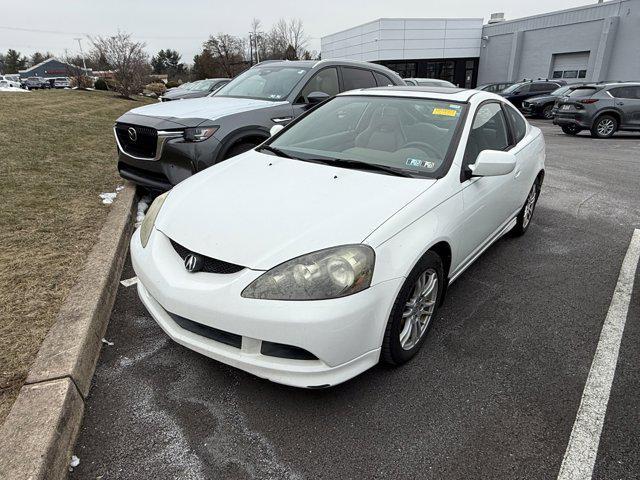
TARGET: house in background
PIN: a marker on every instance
(53, 68)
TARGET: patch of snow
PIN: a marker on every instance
(129, 281)
(143, 206)
(119, 188)
(107, 342)
(75, 461)
(14, 89)
(108, 198)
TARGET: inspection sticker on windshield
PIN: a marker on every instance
(416, 162)
(447, 112)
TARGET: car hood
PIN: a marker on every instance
(258, 210)
(206, 108)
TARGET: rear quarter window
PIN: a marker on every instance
(582, 92)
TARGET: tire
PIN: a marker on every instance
(239, 148)
(396, 351)
(527, 210)
(604, 127)
(570, 129)
(547, 112)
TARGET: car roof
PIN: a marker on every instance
(438, 93)
(330, 61)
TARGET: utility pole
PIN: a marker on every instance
(81, 52)
(250, 50)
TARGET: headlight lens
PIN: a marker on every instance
(331, 273)
(150, 218)
(198, 134)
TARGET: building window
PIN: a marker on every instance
(557, 74)
(582, 74)
(570, 74)
(403, 69)
(444, 70)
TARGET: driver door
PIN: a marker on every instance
(487, 200)
(325, 81)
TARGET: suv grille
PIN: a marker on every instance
(145, 143)
(211, 265)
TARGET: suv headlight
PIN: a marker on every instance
(198, 134)
(331, 273)
(150, 218)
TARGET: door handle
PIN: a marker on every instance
(281, 119)
(619, 103)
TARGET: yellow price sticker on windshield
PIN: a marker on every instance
(447, 112)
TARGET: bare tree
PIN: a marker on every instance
(127, 59)
(228, 53)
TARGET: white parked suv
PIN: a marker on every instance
(330, 246)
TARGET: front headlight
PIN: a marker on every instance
(198, 134)
(331, 273)
(150, 218)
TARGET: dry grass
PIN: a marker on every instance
(57, 154)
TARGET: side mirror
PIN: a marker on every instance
(275, 129)
(317, 97)
(492, 163)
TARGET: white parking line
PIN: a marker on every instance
(580, 456)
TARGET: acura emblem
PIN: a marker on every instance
(193, 262)
(133, 135)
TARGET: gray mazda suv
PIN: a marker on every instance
(160, 145)
(601, 108)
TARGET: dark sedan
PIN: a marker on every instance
(198, 89)
(542, 106)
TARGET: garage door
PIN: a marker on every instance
(570, 65)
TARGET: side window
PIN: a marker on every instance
(540, 87)
(488, 132)
(357, 78)
(382, 80)
(326, 81)
(626, 92)
(523, 89)
(517, 123)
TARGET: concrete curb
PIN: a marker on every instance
(38, 434)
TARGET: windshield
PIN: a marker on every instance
(562, 90)
(410, 135)
(264, 83)
(201, 86)
(511, 88)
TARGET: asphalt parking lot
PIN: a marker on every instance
(493, 394)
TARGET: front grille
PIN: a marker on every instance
(145, 143)
(211, 265)
(208, 332)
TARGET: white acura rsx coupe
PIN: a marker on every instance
(329, 247)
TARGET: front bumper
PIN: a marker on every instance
(343, 334)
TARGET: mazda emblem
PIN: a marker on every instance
(193, 262)
(133, 135)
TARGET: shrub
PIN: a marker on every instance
(101, 84)
(157, 88)
(173, 84)
(81, 82)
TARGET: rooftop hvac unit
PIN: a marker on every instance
(496, 18)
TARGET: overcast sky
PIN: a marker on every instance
(52, 25)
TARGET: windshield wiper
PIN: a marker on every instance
(276, 151)
(358, 165)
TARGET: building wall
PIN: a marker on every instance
(525, 48)
(399, 39)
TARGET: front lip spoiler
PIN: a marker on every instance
(163, 136)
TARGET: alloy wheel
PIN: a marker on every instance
(605, 127)
(529, 206)
(419, 309)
